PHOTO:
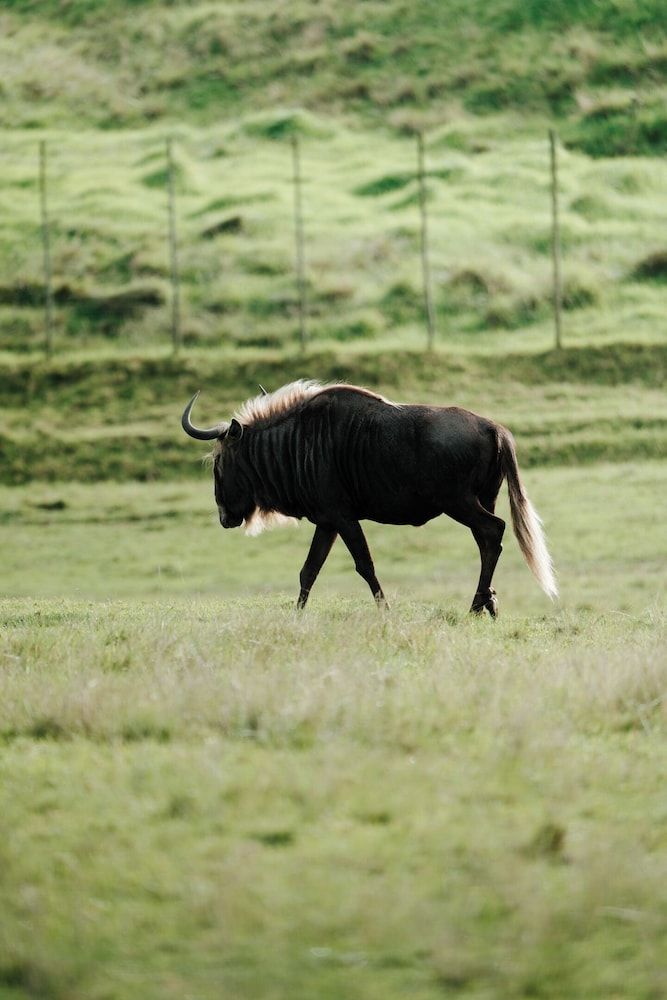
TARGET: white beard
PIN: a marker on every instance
(264, 520)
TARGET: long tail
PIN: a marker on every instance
(526, 521)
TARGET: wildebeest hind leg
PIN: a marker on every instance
(488, 532)
(355, 540)
(320, 547)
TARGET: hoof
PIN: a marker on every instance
(301, 601)
(486, 600)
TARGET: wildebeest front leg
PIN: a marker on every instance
(320, 547)
(355, 540)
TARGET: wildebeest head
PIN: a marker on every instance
(233, 493)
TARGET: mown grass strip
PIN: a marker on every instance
(147, 378)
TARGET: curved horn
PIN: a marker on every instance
(199, 433)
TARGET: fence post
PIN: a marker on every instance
(46, 250)
(299, 241)
(426, 264)
(173, 253)
(555, 242)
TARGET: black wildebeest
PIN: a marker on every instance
(338, 454)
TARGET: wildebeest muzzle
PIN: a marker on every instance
(227, 521)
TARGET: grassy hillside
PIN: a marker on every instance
(129, 61)
(106, 82)
(489, 208)
(108, 403)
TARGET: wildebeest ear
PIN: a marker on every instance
(235, 432)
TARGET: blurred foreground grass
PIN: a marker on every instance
(218, 797)
(224, 799)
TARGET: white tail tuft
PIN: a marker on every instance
(526, 521)
(528, 530)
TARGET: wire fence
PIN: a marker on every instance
(124, 225)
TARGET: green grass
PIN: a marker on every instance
(385, 60)
(227, 799)
(489, 236)
(205, 793)
(231, 84)
(163, 540)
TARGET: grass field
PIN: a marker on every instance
(209, 800)
(382, 62)
(214, 796)
(164, 540)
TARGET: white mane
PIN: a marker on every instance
(273, 404)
